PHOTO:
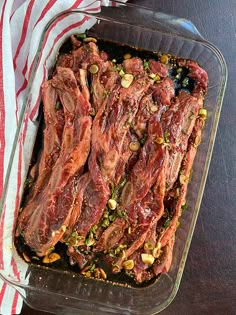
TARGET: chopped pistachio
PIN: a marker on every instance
(54, 233)
(88, 274)
(89, 241)
(121, 72)
(197, 140)
(164, 59)
(166, 136)
(158, 245)
(184, 207)
(58, 105)
(167, 223)
(202, 113)
(157, 78)
(154, 108)
(106, 215)
(105, 223)
(121, 213)
(156, 252)
(134, 146)
(147, 259)
(128, 264)
(146, 65)
(90, 39)
(93, 69)
(112, 204)
(159, 140)
(92, 267)
(178, 76)
(63, 228)
(152, 75)
(112, 217)
(115, 268)
(183, 179)
(185, 82)
(123, 254)
(81, 36)
(48, 259)
(148, 246)
(50, 250)
(127, 56)
(127, 80)
(103, 274)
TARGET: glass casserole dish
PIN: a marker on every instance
(63, 292)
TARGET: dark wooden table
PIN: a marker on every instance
(209, 282)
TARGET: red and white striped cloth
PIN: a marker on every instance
(21, 25)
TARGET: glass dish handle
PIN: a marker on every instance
(145, 17)
(178, 26)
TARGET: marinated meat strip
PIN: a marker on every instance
(158, 99)
(197, 73)
(75, 42)
(142, 177)
(150, 246)
(43, 229)
(110, 128)
(178, 123)
(127, 158)
(162, 265)
(179, 198)
(65, 61)
(54, 124)
(134, 66)
(149, 211)
(158, 68)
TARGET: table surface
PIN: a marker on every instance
(208, 285)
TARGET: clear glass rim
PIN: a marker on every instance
(222, 62)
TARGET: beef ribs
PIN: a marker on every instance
(178, 123)
(54, 124)
(43, 229)
(117, 156)
(110, 128)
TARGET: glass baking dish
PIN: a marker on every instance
(67, 293)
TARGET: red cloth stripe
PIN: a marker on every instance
(14, 303)
(24, 31)
(2, 293)
(75, 5)
(45, 10)
(14, 268)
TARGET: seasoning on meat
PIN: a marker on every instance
(120, 137)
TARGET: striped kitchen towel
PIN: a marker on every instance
(21, 25)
